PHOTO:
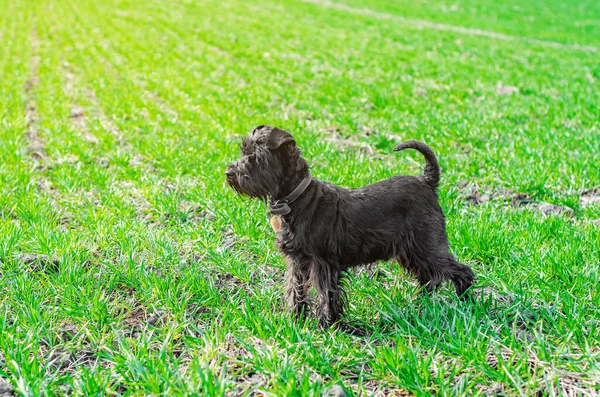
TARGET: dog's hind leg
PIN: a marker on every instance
(433, 271)
(448, 269)
(427, 274)
(462, 276)
(429, 279)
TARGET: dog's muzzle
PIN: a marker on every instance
(230, 174)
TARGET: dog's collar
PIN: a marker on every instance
(281, 207)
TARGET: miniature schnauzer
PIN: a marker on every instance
(324, 230)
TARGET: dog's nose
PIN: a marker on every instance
(229, 171)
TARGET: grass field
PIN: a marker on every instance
(127, 267)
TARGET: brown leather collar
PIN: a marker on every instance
(281, 207)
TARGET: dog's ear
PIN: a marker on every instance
(260, 127)
(279, 137)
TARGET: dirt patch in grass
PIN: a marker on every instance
(335, 391)
(196, 310)
(363, 139)
(472, 195)
(505, 299)
(230, 282)
(247, 385)
(136, 317)
(239, 356)
(378, 389)
(188, 212)
(134, 197)
(525, 200)
(6, 389)
(556, 382)
(590, 198)
(78, 118)
(502, 89)
(38, 262)
(65, 218)
(68, 331)
(495, 389)
(475, 195)
(335, 137)
(163, 106)
(230, 241)
(573, 384)
(516, 323)
(68, 361)
(506, 356)
(372, 271)
(553, 209)
(36, 146)
(194, 212)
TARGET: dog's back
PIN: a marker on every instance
(382, 218)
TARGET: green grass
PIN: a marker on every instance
(167, 283)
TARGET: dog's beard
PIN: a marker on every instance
(251, 185)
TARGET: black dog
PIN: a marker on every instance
(324, 229)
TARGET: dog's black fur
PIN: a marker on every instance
(331, 229)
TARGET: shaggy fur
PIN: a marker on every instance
(331, 229)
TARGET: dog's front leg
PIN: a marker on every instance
(326, 279)
(297, 280)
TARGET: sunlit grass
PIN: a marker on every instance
(158, 280)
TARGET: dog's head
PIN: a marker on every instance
(270, 166)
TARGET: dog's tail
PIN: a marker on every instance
(432, 169)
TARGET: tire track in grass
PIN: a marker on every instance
(144, 83)
(85, 118)
(24, 156)
(73, 182)
(424, 24)
(175, 93)
(161, 93)
(94, 117)
(89, 120)
(36, 147)
(107, 124)
(164, 93)
(78, 112)
(132, 194)
(28, 363)
(191, 109)
(104, 50)
(94, 114)
(158, 96)
(65, 195)
(15, 64)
